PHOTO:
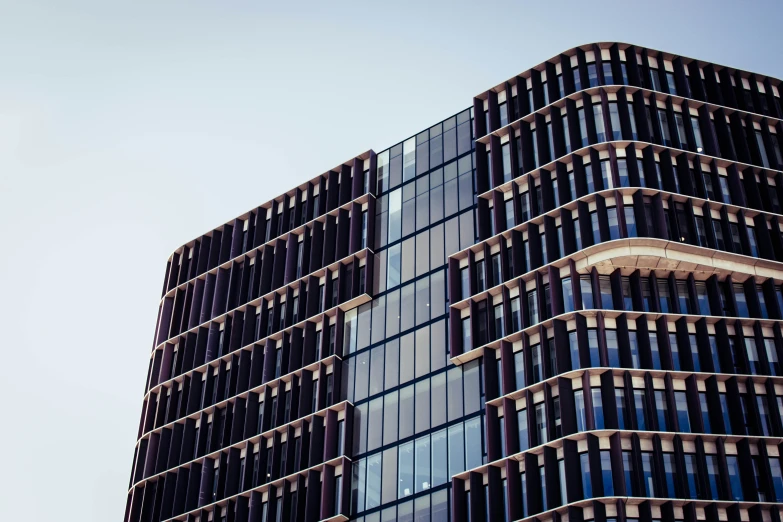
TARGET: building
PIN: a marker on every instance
(566, 309)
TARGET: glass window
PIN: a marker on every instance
(519, 369)
(596, 228)
(606, 473)
(663, 120)
(516, 318)
(619, 394)
(582, 126)
(662, 411)
(633, 347)
(579, 405)
(574, 347)
(592, 74)
(614, 117)
(587, 486)
(772, 356)
(713, 476)
(614, 225)
(506, 156)
(777, 477)
(670, 469)
(592, 345)
(405, 470)
(598, 408)
(524, 443)
(568, 297)
(473, 445)
(681, 405)
(648, 482)
(607, 69)
(598, 114)
(454, 388)
(734, 477)
(440, 461)
(540, 411)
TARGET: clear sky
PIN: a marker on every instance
(128, 128)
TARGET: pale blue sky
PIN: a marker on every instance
(128, 128)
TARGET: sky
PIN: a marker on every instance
(129, 128)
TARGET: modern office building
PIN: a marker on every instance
(561, 304)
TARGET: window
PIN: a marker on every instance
(670, 469)
(523, 435)
(465, 282)
(630, 481)
(683, 298)
(497, 276)
(763, 409)
(574, 347)
(753, 356)
(647, 477)
(607, 69)
(772, 357)
(754, 249)
(540, 411)
(509, 208)
(516, 317)
(664, 297)
(647, 301)
(614, 225)
(503, 109)
(634, 133)
(579, 406)
(550, 142)
(713, 476)
(598, 408)
(663, 120)
(734, 477)
(606, 473)
(466, 341)
(586, 289)
(587, 487)
(671, 83)
(681, 134)
(596, 227)
(741, 300)
(538, 363)
(582, 126)
(499, 323)
(481, 283)
(577, 78)
(681, 405)
(532, 305)
(661, 409)
(777, 477)
(762, 149)
(564, 120)
(633, 348)
(598, 114)
(614, 117)
(592, 74)
(568, 297)
(762, 302)
(619, 394)
(697, 134)
(592, 345)
(506, 155)
(723, 181)
(535, 148)
(655, 79)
